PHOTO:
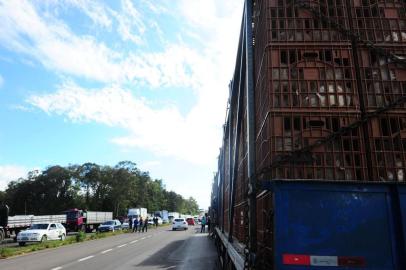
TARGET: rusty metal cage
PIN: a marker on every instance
(307, 77)
(383, 81)
(388, 147)
(283, 133)
(379, 21)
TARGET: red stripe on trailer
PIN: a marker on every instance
(351, 261)
(296, 259)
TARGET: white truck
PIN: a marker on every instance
(173, 215)
(137, 213)
(10, 226)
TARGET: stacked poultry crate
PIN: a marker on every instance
(383, 82)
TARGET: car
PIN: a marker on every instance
(190, 221)
(41, 232)
(179, 223)
(110, 226)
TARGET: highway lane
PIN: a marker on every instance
(158, 249)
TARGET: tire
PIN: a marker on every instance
(44, 238)
(21, 244)
(173, 229)
(63, 237)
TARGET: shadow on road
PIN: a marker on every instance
(164, 258)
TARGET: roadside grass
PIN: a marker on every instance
(6, 252)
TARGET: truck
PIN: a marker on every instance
(173, 215)
(308, 177)
(137, 213)
(10, 226)
(84, 220)
(163, 215)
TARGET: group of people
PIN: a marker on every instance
(205, 221)
(141, 224)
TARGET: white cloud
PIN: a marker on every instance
(164, 131)
(1, 81)
(130, 20)
(96, 11)
(10, 173)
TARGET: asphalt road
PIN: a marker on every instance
(158, 249)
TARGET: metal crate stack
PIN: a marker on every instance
(383, 82)
(306, 90)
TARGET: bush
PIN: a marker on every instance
(80, 237)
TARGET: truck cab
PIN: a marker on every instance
(75, 219)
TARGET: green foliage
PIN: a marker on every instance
(94, 187)
(80, 236)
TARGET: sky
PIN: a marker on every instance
(108, 81)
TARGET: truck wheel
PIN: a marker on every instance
(21, 244)
(63, 237)
(43, 239)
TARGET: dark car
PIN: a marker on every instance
(190, 221)
(110, 226)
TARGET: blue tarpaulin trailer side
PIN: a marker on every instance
(333, 225)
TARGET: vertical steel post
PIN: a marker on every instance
(238, 77)
(252, 204)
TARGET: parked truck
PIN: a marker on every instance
(311, 170)
(10, 226)
(163, 215)
(137, 213)
(173, 215)
(86, 221)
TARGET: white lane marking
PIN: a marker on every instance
(107, 250)
(135, 241)
(85, 258)
(57, 268)
(121, 246)
(149, 236)
(143, 238)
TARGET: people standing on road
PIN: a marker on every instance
(135, 224)
(203, 229)
(208, 221)
(156, 222)
(130, 223)
(140, 224)
(145, 227)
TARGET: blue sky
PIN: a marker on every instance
(106, 81)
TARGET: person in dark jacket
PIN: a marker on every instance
(135, 224)
(145, 227)
(140, 224)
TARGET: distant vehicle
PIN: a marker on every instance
(190, 221)
(10, 226)
(196, 218)
(137, 213)
(173, 215)
(151, 221)
(42, 232)
(179, 223)
(110, 226)
(125, 225)
(86, 221)
(163, 215)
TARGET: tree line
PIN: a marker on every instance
(92, 187)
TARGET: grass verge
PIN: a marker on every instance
(6, 252)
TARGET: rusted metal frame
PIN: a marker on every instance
(360, 87)
(233, 254)
(233, 99)
(350, 34)
(237, 82)
(250, 98)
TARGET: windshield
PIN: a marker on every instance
(179, 220)
(39, 226)
(108, 223)
(72, 215)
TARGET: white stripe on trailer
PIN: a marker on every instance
(323, 260)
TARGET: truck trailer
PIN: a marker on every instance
(86, 221)
(311, 171)
(163, 215)
(137, 213)
(10, 226)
